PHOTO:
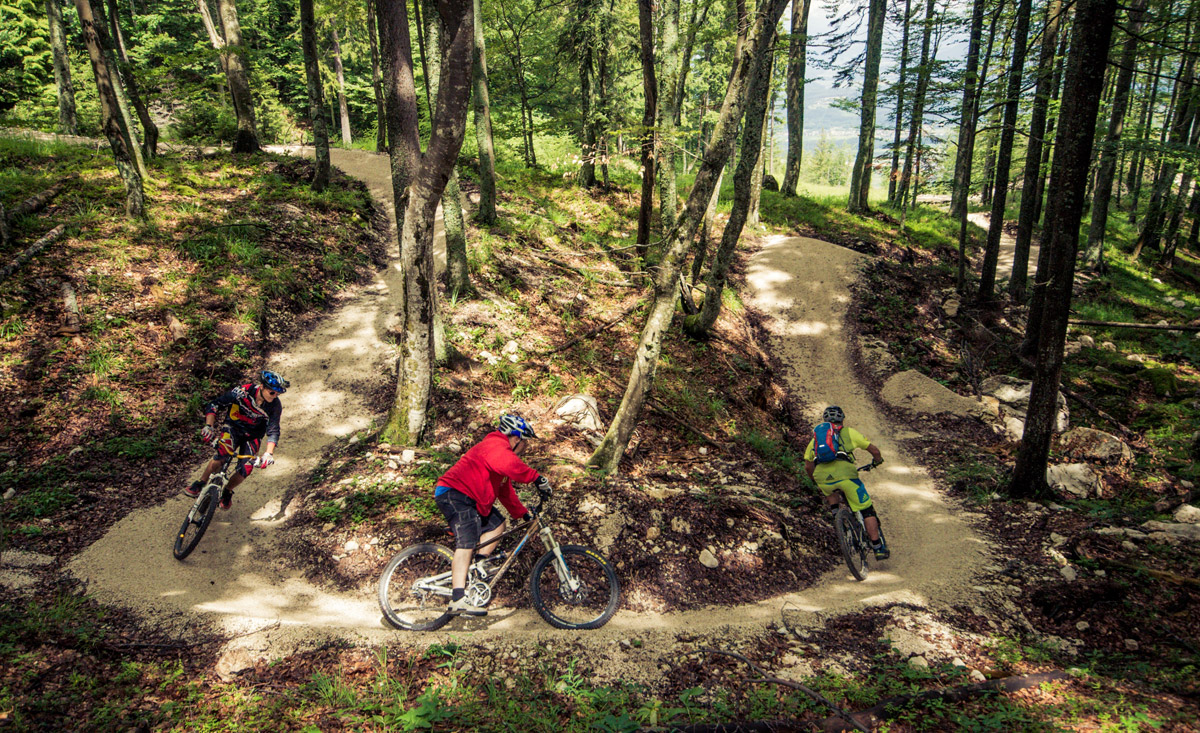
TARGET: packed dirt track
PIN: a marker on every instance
(239, 580)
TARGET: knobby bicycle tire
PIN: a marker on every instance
(850, 541)
(405, 607)
(589, 607)
(208, 507)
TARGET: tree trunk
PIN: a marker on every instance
(316, 102)
(756, 177)
(966, 141)
(400, 91)
(1139, 157)
(1072, 155)
(668, 197)
(1094, 258)
(603, 105)
(797, 63)
(700, 249)
(1033, 151)
(1047, 148)
(343, 109)
(699, 325)
(894, 173)
(1185, 111)
(149, 129)
(135, 205)
(238, 72)
(650, 93)
(918, 113)
(458, 275)
(641, 380)
(68, 119)
(128, 129)
(483, 126)
(376, 80)
(587, 169)
(860, 178)
(991, 255)
(409, 420)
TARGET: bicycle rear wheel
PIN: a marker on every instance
(195, 523)
(850, 540)
(407, 605)
(583, 595)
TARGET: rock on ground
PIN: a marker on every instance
(1077, 479)
(1096, 445)
(1013, 395)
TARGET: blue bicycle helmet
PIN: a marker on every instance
(515, 426)
(274, 381)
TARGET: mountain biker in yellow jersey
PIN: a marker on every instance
(468, 492)
(249, 412)
(829, 461)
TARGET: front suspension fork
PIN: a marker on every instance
(560, 565)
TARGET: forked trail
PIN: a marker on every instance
(239, 580)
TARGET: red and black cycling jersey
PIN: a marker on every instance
(245, 417)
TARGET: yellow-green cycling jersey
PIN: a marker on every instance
(842, 475)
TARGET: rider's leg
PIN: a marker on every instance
(486, 549)
(871, 520)
(213, 465)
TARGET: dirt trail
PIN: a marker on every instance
(237, 580)
(1008, 247)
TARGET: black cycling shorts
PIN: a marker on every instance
(464, 519)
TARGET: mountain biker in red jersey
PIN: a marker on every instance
(467, 494)
(250, 412)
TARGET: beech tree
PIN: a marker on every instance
(316, 101)
(343, 109)
(752, 62)
(135, 204)
(860, 177)
(68, 119)
(486, 213)
(227, 40)
(377, 80)
(1030, 190)
(1068, 181)
(408, 419)
(797, 61)
(991, 253)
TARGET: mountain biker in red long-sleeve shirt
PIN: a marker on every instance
(467, 494)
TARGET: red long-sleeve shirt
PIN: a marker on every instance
(486, 472)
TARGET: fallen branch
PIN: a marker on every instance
(37, 202)
(604, 326)
(838, 712)
(661, 410)
(879, 712)
(1145, 326)
(50, 237)
(70, 323)
(581, 273)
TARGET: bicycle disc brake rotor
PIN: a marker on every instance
(574, 597)
(479, 594)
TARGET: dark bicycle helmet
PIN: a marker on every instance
(833, 414)
(274, 381)
(515, 426)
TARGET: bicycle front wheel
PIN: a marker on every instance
(850, 540)
(582, 592)
(414, 590)
(195, 524)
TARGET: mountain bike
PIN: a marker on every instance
(852, 535)
(572, 587)
(201, 514)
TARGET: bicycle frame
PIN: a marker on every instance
(439, 584)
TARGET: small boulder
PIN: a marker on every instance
(1077, 479)
(1096, 445)
(1187, 514)
(708, 560)
(951, 307)
(1069, 574)
(1087, 342)
(918, 663)
(580, 410)
(351, 546)
(1013, 395)
(1176, 531)
(1108, 346)
(408, 455)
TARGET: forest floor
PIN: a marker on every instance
(275, 610)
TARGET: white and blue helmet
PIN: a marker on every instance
(515, 426)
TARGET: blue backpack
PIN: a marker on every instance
(827, 443)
